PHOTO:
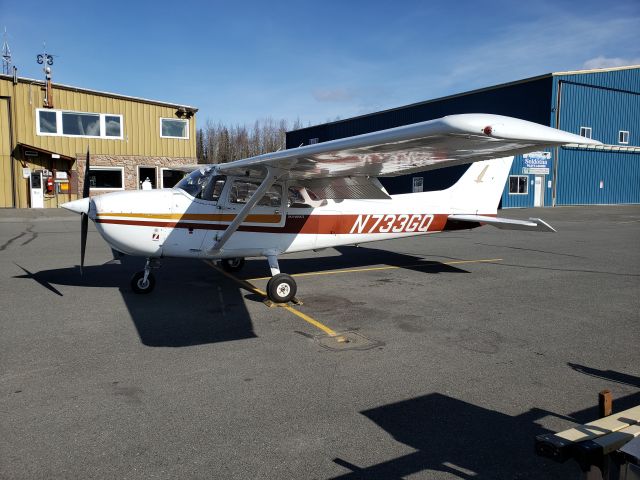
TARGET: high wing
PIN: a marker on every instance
(448, 141)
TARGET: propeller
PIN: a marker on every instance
(82, 206)
(84, 216)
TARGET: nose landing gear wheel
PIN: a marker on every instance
(138, 284)
(232, 264)
(281, 288)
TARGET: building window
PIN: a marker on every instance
(623, 137)
(585, 132)
(169, 177)
(78, 124)
(47, 122)
(174, 128)
(113, 126)
(518, 185)
(106, 178)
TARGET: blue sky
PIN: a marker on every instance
(316, 61)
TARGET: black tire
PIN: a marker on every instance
(232, 264)
(138, 287)
(281, 288)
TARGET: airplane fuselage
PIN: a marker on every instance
(172, 223)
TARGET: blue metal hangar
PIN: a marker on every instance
(602, 104)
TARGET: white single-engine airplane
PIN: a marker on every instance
(320, 196)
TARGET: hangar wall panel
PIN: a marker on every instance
(606, 102)
(605, 110)
(6, 192)
(598, 178)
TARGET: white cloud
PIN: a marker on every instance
(536, 47)
(607, 62)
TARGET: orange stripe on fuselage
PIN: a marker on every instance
(203, 217)
(295, 224)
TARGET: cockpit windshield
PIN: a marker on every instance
(203, 184)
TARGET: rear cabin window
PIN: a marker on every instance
(295, 198)
(243, 190)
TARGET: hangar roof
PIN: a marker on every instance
(98, 92)
(479, 90)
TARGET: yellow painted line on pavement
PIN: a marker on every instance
(244, 283)
(252, 288)
(386, 267)
(311, 321)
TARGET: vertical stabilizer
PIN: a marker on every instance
(480, 188)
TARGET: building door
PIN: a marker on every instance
(537, 191)
(6, 188)
(145, 173)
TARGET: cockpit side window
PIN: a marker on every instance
(214, 188)
(203, 184)
(195, 183)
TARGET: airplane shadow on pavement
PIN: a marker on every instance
(350, 257)
(193, 304)
(466, 440)
(189, 306)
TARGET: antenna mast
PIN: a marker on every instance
(6, 54)
(46, 59)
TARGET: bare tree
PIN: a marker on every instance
(217, 143)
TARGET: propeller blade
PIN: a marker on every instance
(84, 226)
(85, 187)
(84, 221)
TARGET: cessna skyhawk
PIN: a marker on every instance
(320, 196)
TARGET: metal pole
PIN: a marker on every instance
(554, 190)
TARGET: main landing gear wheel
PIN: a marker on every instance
(232, 264)
(281, 288)
(139, 285)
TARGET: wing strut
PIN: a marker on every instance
(270, 179)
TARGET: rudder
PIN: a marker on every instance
(480, 188)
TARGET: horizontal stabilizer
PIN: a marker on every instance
(533, 224)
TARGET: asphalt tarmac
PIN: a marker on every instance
(451, 354)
